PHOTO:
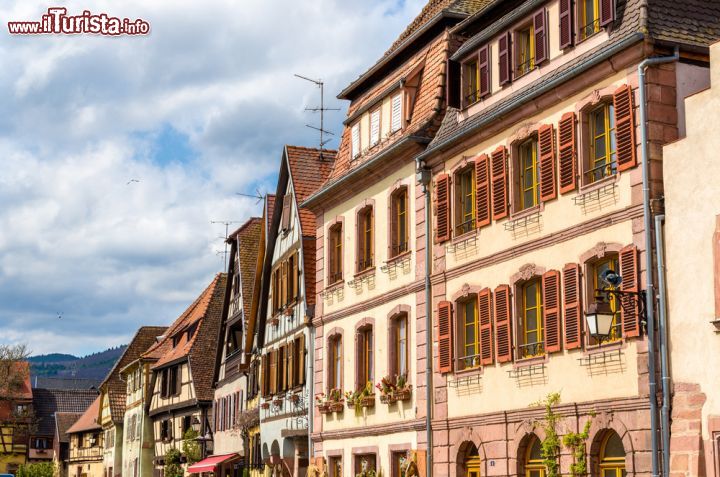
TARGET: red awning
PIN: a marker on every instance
(210, 464)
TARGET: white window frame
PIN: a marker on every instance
(355, 138)
(396, 112)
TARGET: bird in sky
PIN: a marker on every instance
(132, 180)
(59, 314)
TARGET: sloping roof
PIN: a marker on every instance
(88, 421)
(309, 169)
(63, 422)
(248, 240)
(48, 402)
(690, 22)
(47, 382)
(145, 337)
(206, 312)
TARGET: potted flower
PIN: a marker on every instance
(322, 403)
(335, 399)
(361, 398)
(265, 405)
(275, 321)
(386, 386)
(403, 390)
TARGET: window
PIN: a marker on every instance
(364, 358)
(335, 359)
(374, 127)
(399, 225)
(529, 168)
(397, 459)
(531, 334)
(471, 81)
(40, 443)
(603, 149)
(612, 456)
(364, 463)
(365, 239)
(589, 17)
(170, 382)
(465, 201)
(166, 429)
(598, 268)
(396, 114)
(525, 50)
(399, 351)
(467, 314)
(335, 253)
(534, 466)
(186, 423)
(335, 466)
(355, 133)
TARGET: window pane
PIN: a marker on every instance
(598, 119)
(531, 295)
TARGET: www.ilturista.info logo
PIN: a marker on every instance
(57, 21)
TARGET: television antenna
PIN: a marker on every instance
(257, 195)
(320, 84)
(227, 224)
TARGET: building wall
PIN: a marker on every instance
(692, 235)
(230, 440)
(138, 448)
(86, 460)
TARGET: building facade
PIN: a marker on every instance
(16, 415)
(86, 444)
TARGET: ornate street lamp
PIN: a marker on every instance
(599, 317)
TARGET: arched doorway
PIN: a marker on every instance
(534, 466)
(612, 456)
(469, 461)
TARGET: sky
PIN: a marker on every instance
(117, 153)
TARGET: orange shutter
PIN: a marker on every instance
(498, 168)
(630, 273)
(485, 316)
(286, 211)
(551, 310)
(546, 143)
(572, 306)
(625, 128)
(607, 12)
(442, 208)
(566, 24)
(567, 157)
(482, 190)
(539, 30)
(505, 58)
(301, 359)
(445, 341)
(503, 324)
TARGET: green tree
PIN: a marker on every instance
(190, 446)
(40, 469)
(172, 463)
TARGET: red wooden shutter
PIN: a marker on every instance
(503, 324)
(498, 168)
(567, 156)
(442, 208)
(445, 341)
(546, 143)
(482, 190)
(301, 360)
(607, 12)
(566, 24)
(505, 58)
(452, 84)
(539, 29)
(551, 310)
(486, 335)
(484, 69)
(630, 273)
(287, 200)
(572, 306)
(625, 128)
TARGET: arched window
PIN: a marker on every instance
(531, 309)
(399, 222)
(465, 200)
(534, 466)
(603, 150)
(400, 346)
(335, 240)
(612, 456)
(364, 358)
(365, 250)
(335, 361)
(467, 316)
(470, 461)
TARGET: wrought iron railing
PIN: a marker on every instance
(528, 350)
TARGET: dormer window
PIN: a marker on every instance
(355, 134)
(589, 18)
(471, 81)
(524, 50)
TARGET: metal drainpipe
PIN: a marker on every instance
(662, 313)
(423, 176)
(647, 220)
(311, 388)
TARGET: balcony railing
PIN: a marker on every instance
(529, 350)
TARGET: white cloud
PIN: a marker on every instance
(82, 115)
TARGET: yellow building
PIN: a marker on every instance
(86, 444)
(15, 416)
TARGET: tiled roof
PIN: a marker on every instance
(248, 244)
(64, 383)
(145, 337)
(206, 311)
(270, 208)
(63, 422)
(88, 421)
(690, 22)
(47, 402)
(308, 171)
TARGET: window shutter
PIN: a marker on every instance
(572, 306)
(287, 200)
(539, 29)
(482, 190)
(505, 58)
(301, 360)
(359, 360)
(355, 132)
(630, 309)
(291, 371)
(375, 127)
(265, 375)
(484, 68)
(442, 208)
(445, 341)
(567, 157)
(296, 275)
(566, 24)
(396, 118)
(607, 12)
(551, 310)
(485, 317)
(546, 143)
(498, 168)
(503, 325)
(394, 226)
(452, 84)
(625, 128)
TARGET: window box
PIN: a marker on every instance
(324, 408)
(275, 321)
(265, 405)
(277, 402)
(336, 406)
(368, 401)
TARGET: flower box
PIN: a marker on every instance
(275, 321)
(277, 402)
(404, 394)
(324, 408)
(265, 405)
(336, 406)
(388, 398)
(368, 401)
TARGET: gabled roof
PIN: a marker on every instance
(48, 402)
(88, 421)
(248, 245)
(63, 422)
(113, 385)
(205, 314)
(309, 169)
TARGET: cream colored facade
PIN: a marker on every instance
(86, 454)
(138, 446)
(692, 251)
(112, 438)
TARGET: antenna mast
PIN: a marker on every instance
(320, 84)
(227, 224)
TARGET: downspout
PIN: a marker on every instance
(664, 351)
(311, 388)
(423, 176)
(647, 221)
